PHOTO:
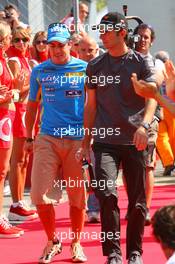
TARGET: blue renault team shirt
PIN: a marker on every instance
(61, 91)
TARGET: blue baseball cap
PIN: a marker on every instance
(58, 32)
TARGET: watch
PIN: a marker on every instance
(29, 140)
(145, 125)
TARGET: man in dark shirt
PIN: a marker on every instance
(111, 100)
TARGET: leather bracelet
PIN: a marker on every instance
(29, 140)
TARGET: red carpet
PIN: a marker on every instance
(26, 250)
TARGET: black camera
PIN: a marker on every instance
(132, 38)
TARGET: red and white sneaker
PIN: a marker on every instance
(7, 230)
(18, 229)
(21, 212)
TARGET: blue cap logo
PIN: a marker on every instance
(58, 32)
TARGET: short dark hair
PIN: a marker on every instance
(163, 224)
(145, 26)
(11, 6)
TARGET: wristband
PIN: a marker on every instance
(16, 97)
(145, 125)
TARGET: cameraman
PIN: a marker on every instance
(146, 39)
(12, 17)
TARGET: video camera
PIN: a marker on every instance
(132, 38)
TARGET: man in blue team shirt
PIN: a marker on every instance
(59, 82)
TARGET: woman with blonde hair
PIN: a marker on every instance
(39, 50)
(19, 211)
(7, 114)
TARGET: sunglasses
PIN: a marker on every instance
(37, 42)
(24, 40)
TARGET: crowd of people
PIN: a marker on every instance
(52, 96)
(17, 58)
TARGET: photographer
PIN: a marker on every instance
(12, 17)
(146, 39)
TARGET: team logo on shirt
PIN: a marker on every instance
(48, 78)
(74, 82)
(50, 89)
(74, 74)
(73, 93)
(52, 79)
(5, 129)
